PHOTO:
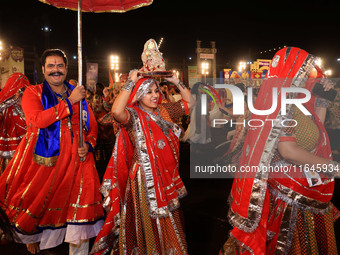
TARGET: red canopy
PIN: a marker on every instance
(100, 5)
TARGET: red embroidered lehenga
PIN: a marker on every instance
(142, 186)
(12, 118)
(281, 212)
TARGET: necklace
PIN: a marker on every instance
(163, 124)
(62, 94)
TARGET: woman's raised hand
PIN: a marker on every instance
(173, 79)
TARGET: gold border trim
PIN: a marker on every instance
(45, 161)
(56, 112)
(104, 11)
(67, 107)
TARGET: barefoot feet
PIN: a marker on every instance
(33, 248)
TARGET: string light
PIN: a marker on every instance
(273, 49)
(160, 43)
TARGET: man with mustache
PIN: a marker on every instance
(50, 190)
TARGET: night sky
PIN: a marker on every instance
(241, 29)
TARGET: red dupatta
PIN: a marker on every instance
(12, 124)
(249, 210)
(158, 152)
(15, 82)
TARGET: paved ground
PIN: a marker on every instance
(205, 210)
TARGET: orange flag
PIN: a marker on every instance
(110, 78)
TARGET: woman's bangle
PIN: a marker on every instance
(180, 84)
(128, 85)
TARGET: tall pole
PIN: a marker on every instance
(80, 76)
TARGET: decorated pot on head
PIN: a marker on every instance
(153, 62)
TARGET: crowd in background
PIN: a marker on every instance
(102, 97)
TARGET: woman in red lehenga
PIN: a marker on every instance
(12, 118)
(282, 208)
(142, 186)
